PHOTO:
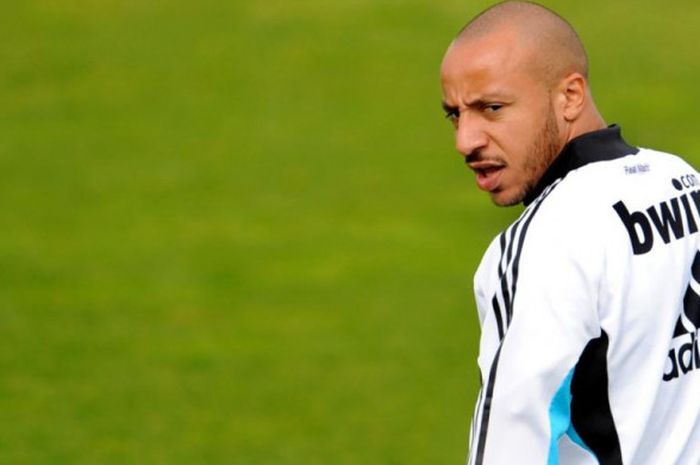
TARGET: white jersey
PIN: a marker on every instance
(590, 307)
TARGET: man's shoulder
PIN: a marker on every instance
(581, 205)
(577, 213)
(590, 189)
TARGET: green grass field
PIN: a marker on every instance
(238, 232)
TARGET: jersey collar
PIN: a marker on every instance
(601, 145)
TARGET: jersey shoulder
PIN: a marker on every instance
(579, 214)
(585, 196)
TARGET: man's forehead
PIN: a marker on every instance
(502, 50)
(487, 65)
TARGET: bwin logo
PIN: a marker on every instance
(687, 357)
(672, 219)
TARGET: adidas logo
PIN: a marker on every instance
(686, 357)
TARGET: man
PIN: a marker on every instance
(588, 303)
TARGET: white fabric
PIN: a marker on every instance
(577, 276)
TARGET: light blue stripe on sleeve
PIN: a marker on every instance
(559, 417)
(560, 421)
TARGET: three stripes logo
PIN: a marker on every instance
(684, 356)
(511, 243)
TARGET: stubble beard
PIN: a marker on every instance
(544, 150)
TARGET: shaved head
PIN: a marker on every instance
(556, 49)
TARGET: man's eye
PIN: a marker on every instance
(492, 107)
(452, 115)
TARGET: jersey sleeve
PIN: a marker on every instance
(547, 297)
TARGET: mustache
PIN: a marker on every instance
(475, 157)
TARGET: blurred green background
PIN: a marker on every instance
(238, 232)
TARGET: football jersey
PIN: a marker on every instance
(589, 306)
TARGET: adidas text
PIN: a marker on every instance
(683, 360)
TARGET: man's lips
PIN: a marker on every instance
(488, 174)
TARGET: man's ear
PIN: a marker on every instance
(572, 91)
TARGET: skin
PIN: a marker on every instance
(512, 112)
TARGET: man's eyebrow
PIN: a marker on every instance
(489, 98)
(449, 108)
(475, 103)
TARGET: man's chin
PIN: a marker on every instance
(505, 198)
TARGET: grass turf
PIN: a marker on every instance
(237, 232)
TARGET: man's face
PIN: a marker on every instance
(505, 123)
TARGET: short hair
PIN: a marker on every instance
(562, 51)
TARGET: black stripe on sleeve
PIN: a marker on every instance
(516, 261)
(486, 409)
(499, 319)
(502, 243)
(512, 240)
(505, 292)
(475, 420)
(591, 416)
(491, 381)
(507, 253)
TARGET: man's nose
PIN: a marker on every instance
(470, 136)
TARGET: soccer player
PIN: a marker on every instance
(589, 303)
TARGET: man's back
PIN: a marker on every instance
(590, 307)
